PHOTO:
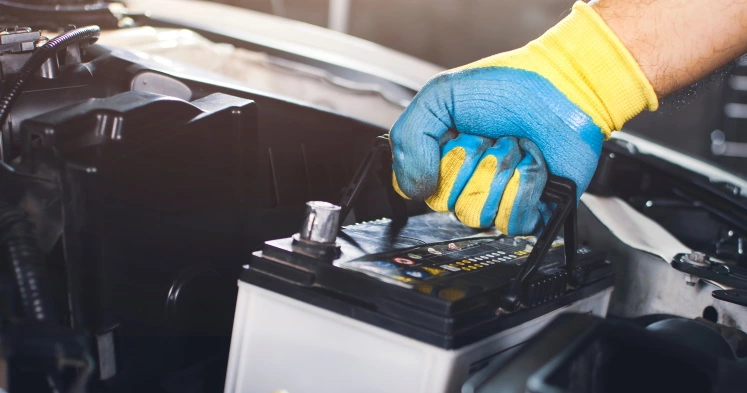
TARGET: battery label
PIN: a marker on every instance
(453, 267)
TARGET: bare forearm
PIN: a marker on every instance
(677, 42)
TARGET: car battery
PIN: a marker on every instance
(392, 307)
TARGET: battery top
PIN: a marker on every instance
(434, 279)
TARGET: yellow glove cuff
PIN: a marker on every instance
(586, 61)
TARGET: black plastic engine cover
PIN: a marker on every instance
(579, 353)
(155, 195)
(153, 208)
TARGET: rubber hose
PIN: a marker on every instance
(40, 55)
(19, 248)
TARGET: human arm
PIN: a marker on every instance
(677, 42)
(560, 96)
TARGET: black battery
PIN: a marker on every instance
(433, 280)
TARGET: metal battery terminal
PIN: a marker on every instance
(318, 234)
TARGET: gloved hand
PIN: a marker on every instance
(558, 97)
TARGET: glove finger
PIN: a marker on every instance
(478, 203)
(459, 158)
(449, 135)
(521, 212)
(415, 139)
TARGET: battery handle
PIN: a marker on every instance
(380, 152)
(561, 192)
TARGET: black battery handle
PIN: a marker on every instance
(561, 192)
(351, 192)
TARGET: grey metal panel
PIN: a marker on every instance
(294, 37)
(646, 284)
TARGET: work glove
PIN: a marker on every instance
(478, 140)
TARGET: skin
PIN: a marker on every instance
(678, 42)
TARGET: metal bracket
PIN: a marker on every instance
(708, 269)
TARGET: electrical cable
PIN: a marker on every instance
(19, 248)
(41, 55)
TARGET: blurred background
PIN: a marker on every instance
(444, 32)
(703, 121)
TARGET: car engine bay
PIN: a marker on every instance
(149, 163)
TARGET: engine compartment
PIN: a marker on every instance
(149, 185)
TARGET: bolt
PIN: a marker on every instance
(697, 258)
(691, 280)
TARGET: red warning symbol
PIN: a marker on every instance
(403, 261)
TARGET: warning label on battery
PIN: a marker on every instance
(463, 264)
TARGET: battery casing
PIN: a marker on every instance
(409, 311)
(280, 344)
